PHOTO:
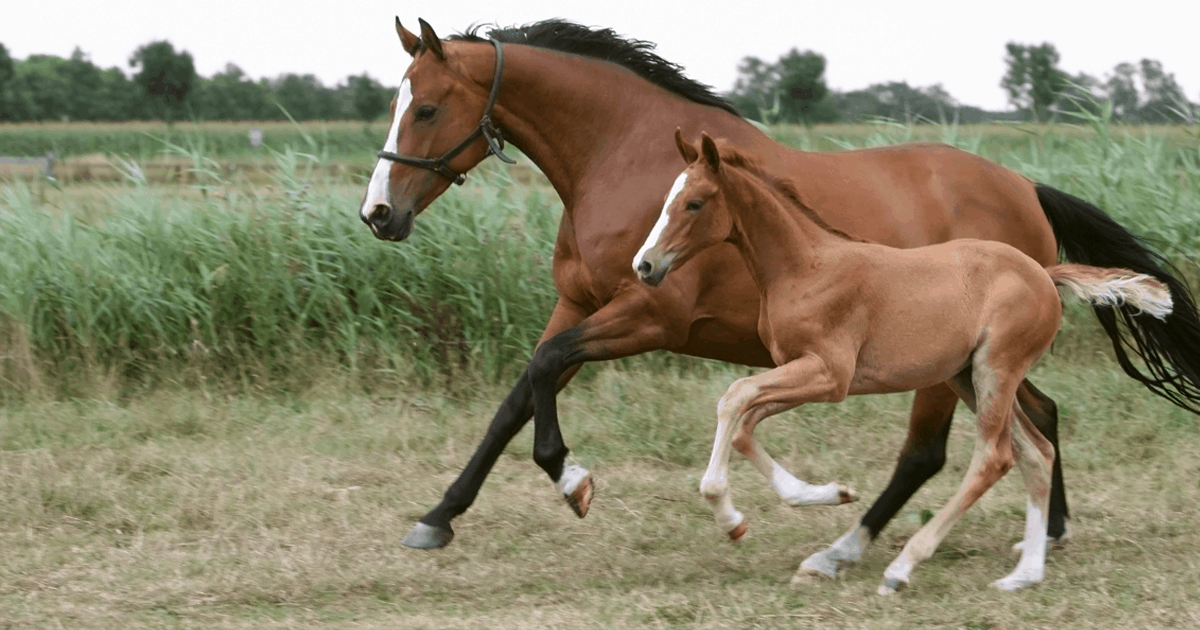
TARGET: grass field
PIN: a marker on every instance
(224, 403)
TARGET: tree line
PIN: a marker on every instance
(793, 90)
(164, 85)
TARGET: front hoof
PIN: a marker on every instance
(581, 499)
(738, 533)
(846, 494)
(425, 536)
(575, 484)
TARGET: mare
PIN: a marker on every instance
(595, 113)
(843, 317)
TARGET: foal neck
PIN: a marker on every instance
(775, 233)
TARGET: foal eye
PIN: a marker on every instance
(693, 206)
(426, 112)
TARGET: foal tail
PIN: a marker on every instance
(1113, 288)
(1169, 346)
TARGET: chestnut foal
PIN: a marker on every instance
(842, 317)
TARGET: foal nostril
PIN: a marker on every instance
(644, 268)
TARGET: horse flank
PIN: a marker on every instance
(1113, 287)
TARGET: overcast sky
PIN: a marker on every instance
(959, 43)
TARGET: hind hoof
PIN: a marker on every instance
(846, 494)
(738, 533)
(425, 536)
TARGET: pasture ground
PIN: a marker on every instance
(197, 508)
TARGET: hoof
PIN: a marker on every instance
(581, 499)
(816, 567)
(846, 494)
(425, 536)
(1014, 582)
(738, 533)
(891, 586)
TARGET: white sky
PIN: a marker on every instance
(959, 43)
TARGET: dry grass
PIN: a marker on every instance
(198, 509)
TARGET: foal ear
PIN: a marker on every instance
(408, 39)
(430, 39)
(709, 148)
(688, 151)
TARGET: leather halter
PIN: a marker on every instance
(486, 128)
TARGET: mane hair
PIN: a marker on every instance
(786, 188)
(604, 44)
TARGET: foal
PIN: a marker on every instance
(843, 317)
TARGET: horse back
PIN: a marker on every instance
(919, 194)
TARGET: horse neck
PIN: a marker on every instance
(567, 112)
(774, 237)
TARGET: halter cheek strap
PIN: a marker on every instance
(486, 128)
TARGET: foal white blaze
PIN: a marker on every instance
(663, 219)
(378, 189)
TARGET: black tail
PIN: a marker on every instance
(1169, 349)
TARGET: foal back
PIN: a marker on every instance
(923, 313)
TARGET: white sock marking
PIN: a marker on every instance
(663, 219)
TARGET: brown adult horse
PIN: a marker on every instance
(843, 317)
(595, 113)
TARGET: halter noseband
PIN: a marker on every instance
(486, 128)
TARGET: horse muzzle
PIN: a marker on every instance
(653, 272)
(388, 224)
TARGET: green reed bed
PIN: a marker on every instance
(260, 282)
(245, 280)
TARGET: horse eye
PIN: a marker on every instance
(426, 112)
(693, 206)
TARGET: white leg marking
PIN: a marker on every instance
(1032, 567)
(714, 486)
(844, 551)
(378, 190)
(571, 476)
(663, 219)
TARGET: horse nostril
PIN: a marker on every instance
(644, 268)
(380, 212)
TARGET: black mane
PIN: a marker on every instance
(606, 45)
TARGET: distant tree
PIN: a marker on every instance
(790, 90)
(39, 89)
(298, 95)
(370, 99)
(83, 87)
(1122, 90)
(165, 76)
(754, 91)
(801, 85)
(1082, 95)
(231, 95)
(7, 72)
(1165, 101)
(1033, 80)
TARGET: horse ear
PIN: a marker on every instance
(709, 148)
(688, 151)
(408, 39)
(430, 39)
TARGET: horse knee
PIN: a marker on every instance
(924, 462)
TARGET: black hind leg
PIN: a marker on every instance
(1043, 413)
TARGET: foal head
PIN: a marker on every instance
(437, 106)
(695, 216)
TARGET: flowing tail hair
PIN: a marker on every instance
(1168, 346)
(1113, 288)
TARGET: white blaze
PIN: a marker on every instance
(377, 189)
(663, 219)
